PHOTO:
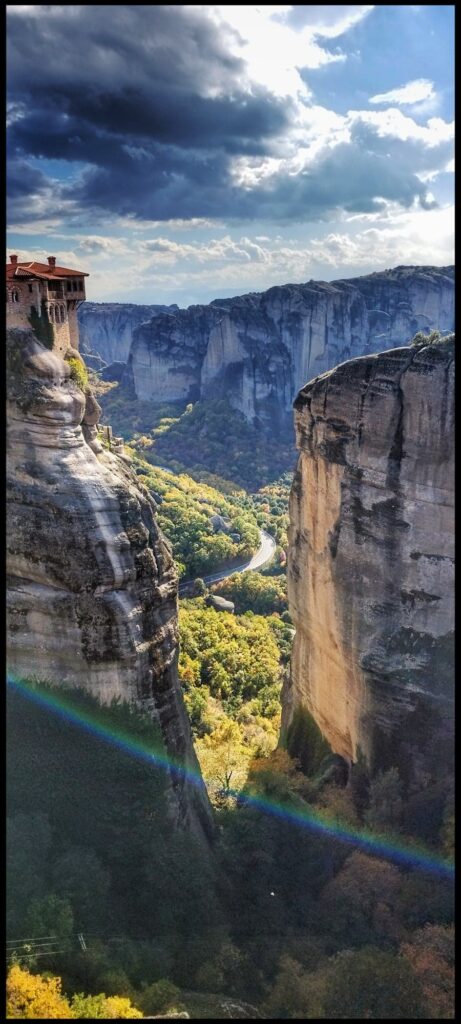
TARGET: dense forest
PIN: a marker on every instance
(299, 922)
(206, 528)
(208, 436)
(231, 668)
(210, 522)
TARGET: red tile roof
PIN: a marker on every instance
(41, 270)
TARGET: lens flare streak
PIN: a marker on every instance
(406, 855)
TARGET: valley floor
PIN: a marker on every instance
(261, 558)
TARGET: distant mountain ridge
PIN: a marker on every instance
(259, 349)
(106, 328)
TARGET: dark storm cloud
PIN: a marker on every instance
(175, 183)
(344, 179)
(24, 180)
(112, 47)
(84, 125)
(138, 73)
(151, 102)
(171, 184)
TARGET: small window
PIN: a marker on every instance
(30, 289)
(51, 314)
(63, 314)
(15, 296)
(75, 286)
(69, 286)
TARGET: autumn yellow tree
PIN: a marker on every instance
(104, 1007)
(224, 758)
(29, 996)
(39, 998)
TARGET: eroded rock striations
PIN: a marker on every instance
(257, 350)
(371, 557)
(106, 328)
(92, 588)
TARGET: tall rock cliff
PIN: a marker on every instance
(259, 349)
(371, 557)
(92, 589)
(106, 328)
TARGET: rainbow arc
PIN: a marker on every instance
(411, 855)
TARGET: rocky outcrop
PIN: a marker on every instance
(371, 557)
(106, 328)
(114, 371)
(219, 603)
(92, 588)
(257, 350)
(220, 524)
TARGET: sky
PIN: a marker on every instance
(187, 153)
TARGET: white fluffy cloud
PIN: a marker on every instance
(319, 131)
(413, 92)
(394, 123)
(217, 251)
(161, 269)
(276, 42)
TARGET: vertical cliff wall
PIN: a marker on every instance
(92, 589)
(257, 350)
(106, 328)
(371, 557)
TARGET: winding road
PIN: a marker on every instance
(262, 557)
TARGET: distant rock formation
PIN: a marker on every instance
(220, 524)
(220, 604)
(371, 557)
(106, 328)
(92, 588)
(114, 371)
(257, 350)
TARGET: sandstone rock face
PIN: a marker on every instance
(166, 356)
(92, 588)
(259, 349)
(371, 557)
(106, 328)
